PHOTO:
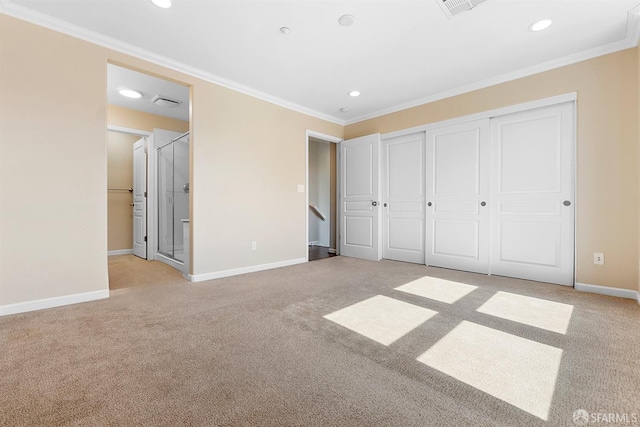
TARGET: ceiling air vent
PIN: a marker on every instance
(163, 101)
(453, 7)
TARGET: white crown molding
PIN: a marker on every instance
(29, 15)
(37, 18)
(633, 25)
(525, 72)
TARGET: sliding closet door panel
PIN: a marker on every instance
(403, 198)
(533, 204)
(359, 197)
(457, 212)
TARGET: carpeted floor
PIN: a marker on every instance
(127, 271)
(257, 349)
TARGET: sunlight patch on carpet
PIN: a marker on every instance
(437, 289)
(540, 313)
(381, 318)
(516, 370)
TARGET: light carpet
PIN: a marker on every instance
(257, 350)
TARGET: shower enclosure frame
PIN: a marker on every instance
(153, 211)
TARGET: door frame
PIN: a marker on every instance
(148, 142)
(333, 140)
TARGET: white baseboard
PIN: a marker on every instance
(120, 252)
(23, 307)
(244, 270)
(605, 290)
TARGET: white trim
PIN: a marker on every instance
(633, 31)
(324, 136)
(131, 131)
(40, 304)
(178, 265)
(315, 243)
(633, 25)
(605, 290)
(29, 15)
(152, 203)
(55, 24)
(120, 252)
(538, 103)
(244, 270)
(334, 140)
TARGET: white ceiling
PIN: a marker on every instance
(397, 53)
(149, 86)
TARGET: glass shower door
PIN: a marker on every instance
(173, 196)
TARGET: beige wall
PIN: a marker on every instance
(52, 164)
(119, 176)
(120, 168)
(607, 152)
(139, 120)
(248, 156)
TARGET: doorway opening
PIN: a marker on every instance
(322, 196)
(142, 159)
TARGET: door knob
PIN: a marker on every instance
(429, 204)
(132, 204)
(385, 205)
(566, 203)
(374, 203)
(483, 203)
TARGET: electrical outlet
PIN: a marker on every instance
(254, 246)
(598, 258)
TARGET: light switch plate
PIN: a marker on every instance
(300, 188)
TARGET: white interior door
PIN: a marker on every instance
(359, 198)
(532, 214)
(140, 199)
(403, 198)
(457, 194)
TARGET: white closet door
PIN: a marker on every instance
(532, 211)
(403, 198)
(457, 212)
(359, 197)
(140, 199)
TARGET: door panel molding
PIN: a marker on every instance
(359, 197)
(457, 229)
(403, 192)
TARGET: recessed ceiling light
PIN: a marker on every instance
(165, 4)
(540, 25)
(346, 20)
(130, 93)
(344, 110)
(285, 30)
(354, 93)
